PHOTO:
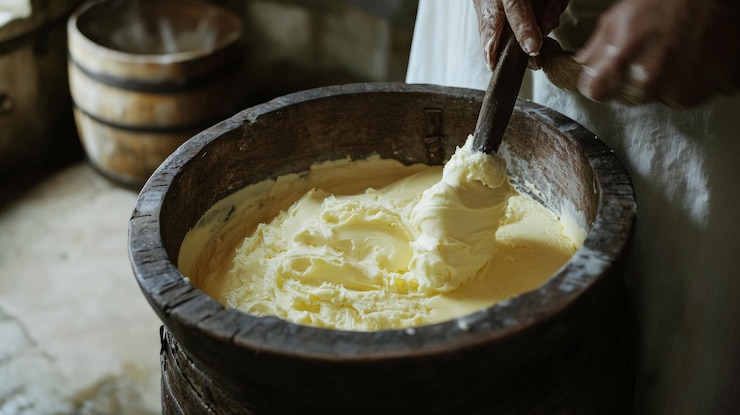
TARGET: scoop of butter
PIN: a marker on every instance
(456, 220)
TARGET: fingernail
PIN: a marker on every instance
(611, 51)
(529, 46)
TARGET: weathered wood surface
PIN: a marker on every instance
(562, 349)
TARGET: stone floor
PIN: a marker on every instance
(76, 334)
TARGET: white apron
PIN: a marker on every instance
(684, 271)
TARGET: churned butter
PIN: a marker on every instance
(374, 244)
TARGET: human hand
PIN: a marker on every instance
(528, 28)
(679, 52)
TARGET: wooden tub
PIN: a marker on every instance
(561, 349)
(147, 75)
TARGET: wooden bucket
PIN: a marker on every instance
(147, 75)
(561, 349)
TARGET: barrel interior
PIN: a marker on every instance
(156, 27)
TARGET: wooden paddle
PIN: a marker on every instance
(502, 91)
(501, 94)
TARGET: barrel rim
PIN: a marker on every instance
(78, 36)
(180, 304)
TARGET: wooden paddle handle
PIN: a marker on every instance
(559, 66)
(501, 94)
(503, 89)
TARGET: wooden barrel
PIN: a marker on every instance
(147, 75)
(564, 348)
(35, 108)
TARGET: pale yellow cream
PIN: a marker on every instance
(373, 244)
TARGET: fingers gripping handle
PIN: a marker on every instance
(503, 89)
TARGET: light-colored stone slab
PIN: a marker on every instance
(76, 335)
